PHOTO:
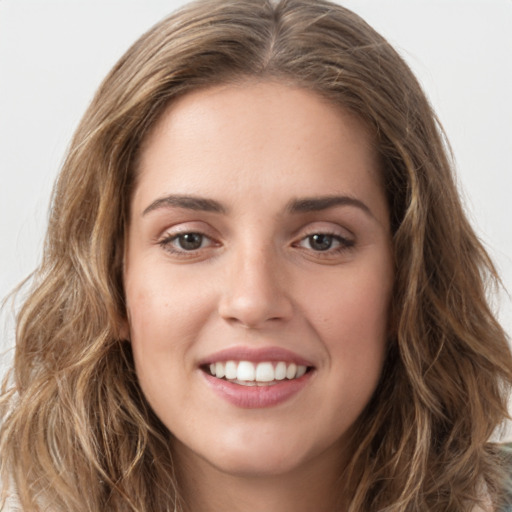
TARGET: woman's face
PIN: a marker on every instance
(258, 276)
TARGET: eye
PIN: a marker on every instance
(190, 241)
(185, 242)
(325, 242)
(320, 241)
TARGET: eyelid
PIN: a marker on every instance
(169, 244)
(166, 240)
(325, 228)
(345, 240)
(334, 236)
(184, 227)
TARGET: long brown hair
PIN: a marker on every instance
(77, 433)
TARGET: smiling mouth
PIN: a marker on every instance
(247, 373)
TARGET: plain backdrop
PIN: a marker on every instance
(54, 53)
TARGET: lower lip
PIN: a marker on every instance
(257, 397)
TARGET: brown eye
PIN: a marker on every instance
(185, 242)
(328, 243)
(190, 241)
(321, 242)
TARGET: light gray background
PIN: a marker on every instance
(54, 53)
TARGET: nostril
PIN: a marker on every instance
(255, 312)
(253, 292)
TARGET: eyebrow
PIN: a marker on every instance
(316, 204)
(187, 202)
(301, 205)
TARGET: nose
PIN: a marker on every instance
(256, 291)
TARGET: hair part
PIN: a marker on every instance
(76, 430)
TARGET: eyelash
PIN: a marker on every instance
(167, 243)
(343, 244)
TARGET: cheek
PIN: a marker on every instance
(350, 314)
(161, 326)
(161, 306)
(167, 312)
(355, 302)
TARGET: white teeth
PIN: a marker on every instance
(265, 372)
(231, 370)
(245, 371)
(220, 370)
(248, 373)
(280, 371)
(301, 370)
(291, 371)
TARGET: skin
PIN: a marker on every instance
(258, 279)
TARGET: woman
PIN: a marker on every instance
(259, 290)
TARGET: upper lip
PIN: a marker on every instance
(255, 355)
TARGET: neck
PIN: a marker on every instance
(315, 486)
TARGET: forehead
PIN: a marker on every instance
(253, 136)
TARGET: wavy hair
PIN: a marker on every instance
(77, 434)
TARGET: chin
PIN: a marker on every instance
(247, 464)
(250, 454)
(283, 457)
